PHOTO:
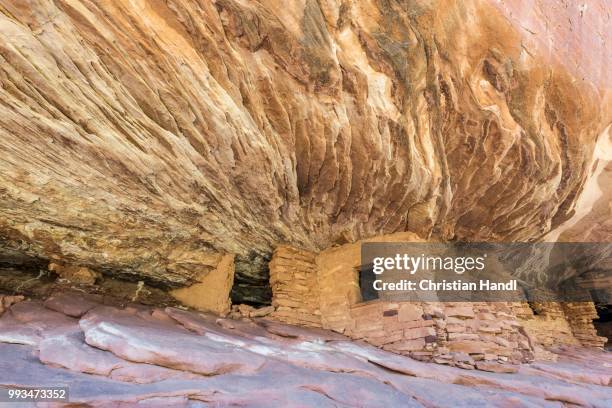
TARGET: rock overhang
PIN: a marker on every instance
(234, 128)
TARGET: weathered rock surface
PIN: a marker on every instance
(137, 136)
(259, 363)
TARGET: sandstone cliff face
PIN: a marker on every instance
(142, 136)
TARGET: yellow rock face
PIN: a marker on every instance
(144, 136)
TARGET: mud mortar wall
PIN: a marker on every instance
(212, 287)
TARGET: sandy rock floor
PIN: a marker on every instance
(147, 357)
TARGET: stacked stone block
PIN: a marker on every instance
(580, 317)
(546, 322)
(293, 278)
(460, 334)
(322, 290)
(398, 327)
(339, 284)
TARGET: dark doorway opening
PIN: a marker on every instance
(252, 280)
(603, 324)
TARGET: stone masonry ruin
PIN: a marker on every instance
(322, 290)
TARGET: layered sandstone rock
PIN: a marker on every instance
(142, 138)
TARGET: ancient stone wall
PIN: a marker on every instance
(323, 290)
(339, 283)
(460, 334)
(211, 292)
(567, 323)
(339, 280)
(293, 278)
(545, 322)
(580, 317)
